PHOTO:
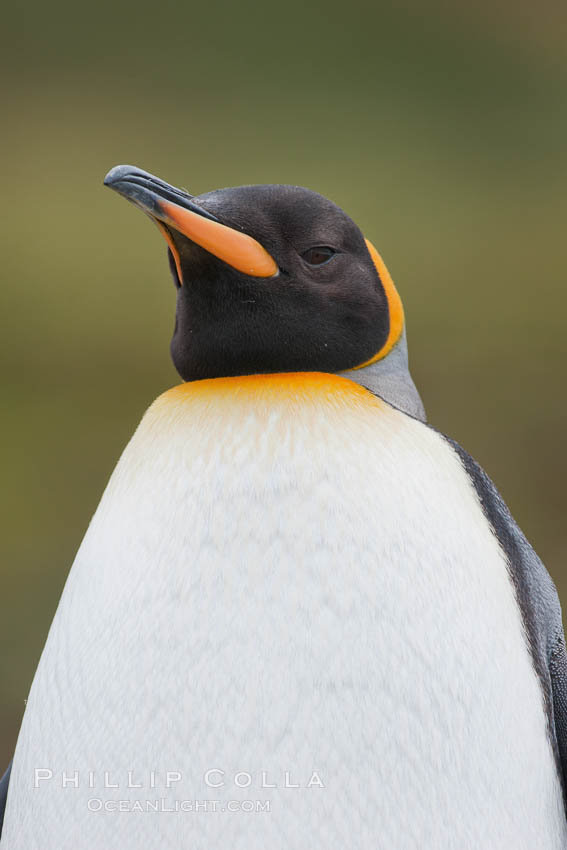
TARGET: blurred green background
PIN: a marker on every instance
(441, 128)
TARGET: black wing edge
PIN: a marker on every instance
(538, 602)
(4, 782)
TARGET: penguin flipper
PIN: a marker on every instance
(558, 672)
(538, 602)
(4, 782)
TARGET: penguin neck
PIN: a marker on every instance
(390, 379)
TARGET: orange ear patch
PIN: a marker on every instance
(395, 307)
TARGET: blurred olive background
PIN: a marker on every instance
(440, 127)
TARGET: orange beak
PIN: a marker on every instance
(173, 208)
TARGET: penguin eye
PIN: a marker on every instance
(318, 256)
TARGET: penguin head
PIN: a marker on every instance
(269, 278)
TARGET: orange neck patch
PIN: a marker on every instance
(297, 386)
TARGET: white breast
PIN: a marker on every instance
(286, 580)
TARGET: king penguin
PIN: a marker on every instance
(300, 617)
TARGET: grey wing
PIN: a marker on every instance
(539, 605)
(4, 794)
(558, 674)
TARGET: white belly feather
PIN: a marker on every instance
(286, 580)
